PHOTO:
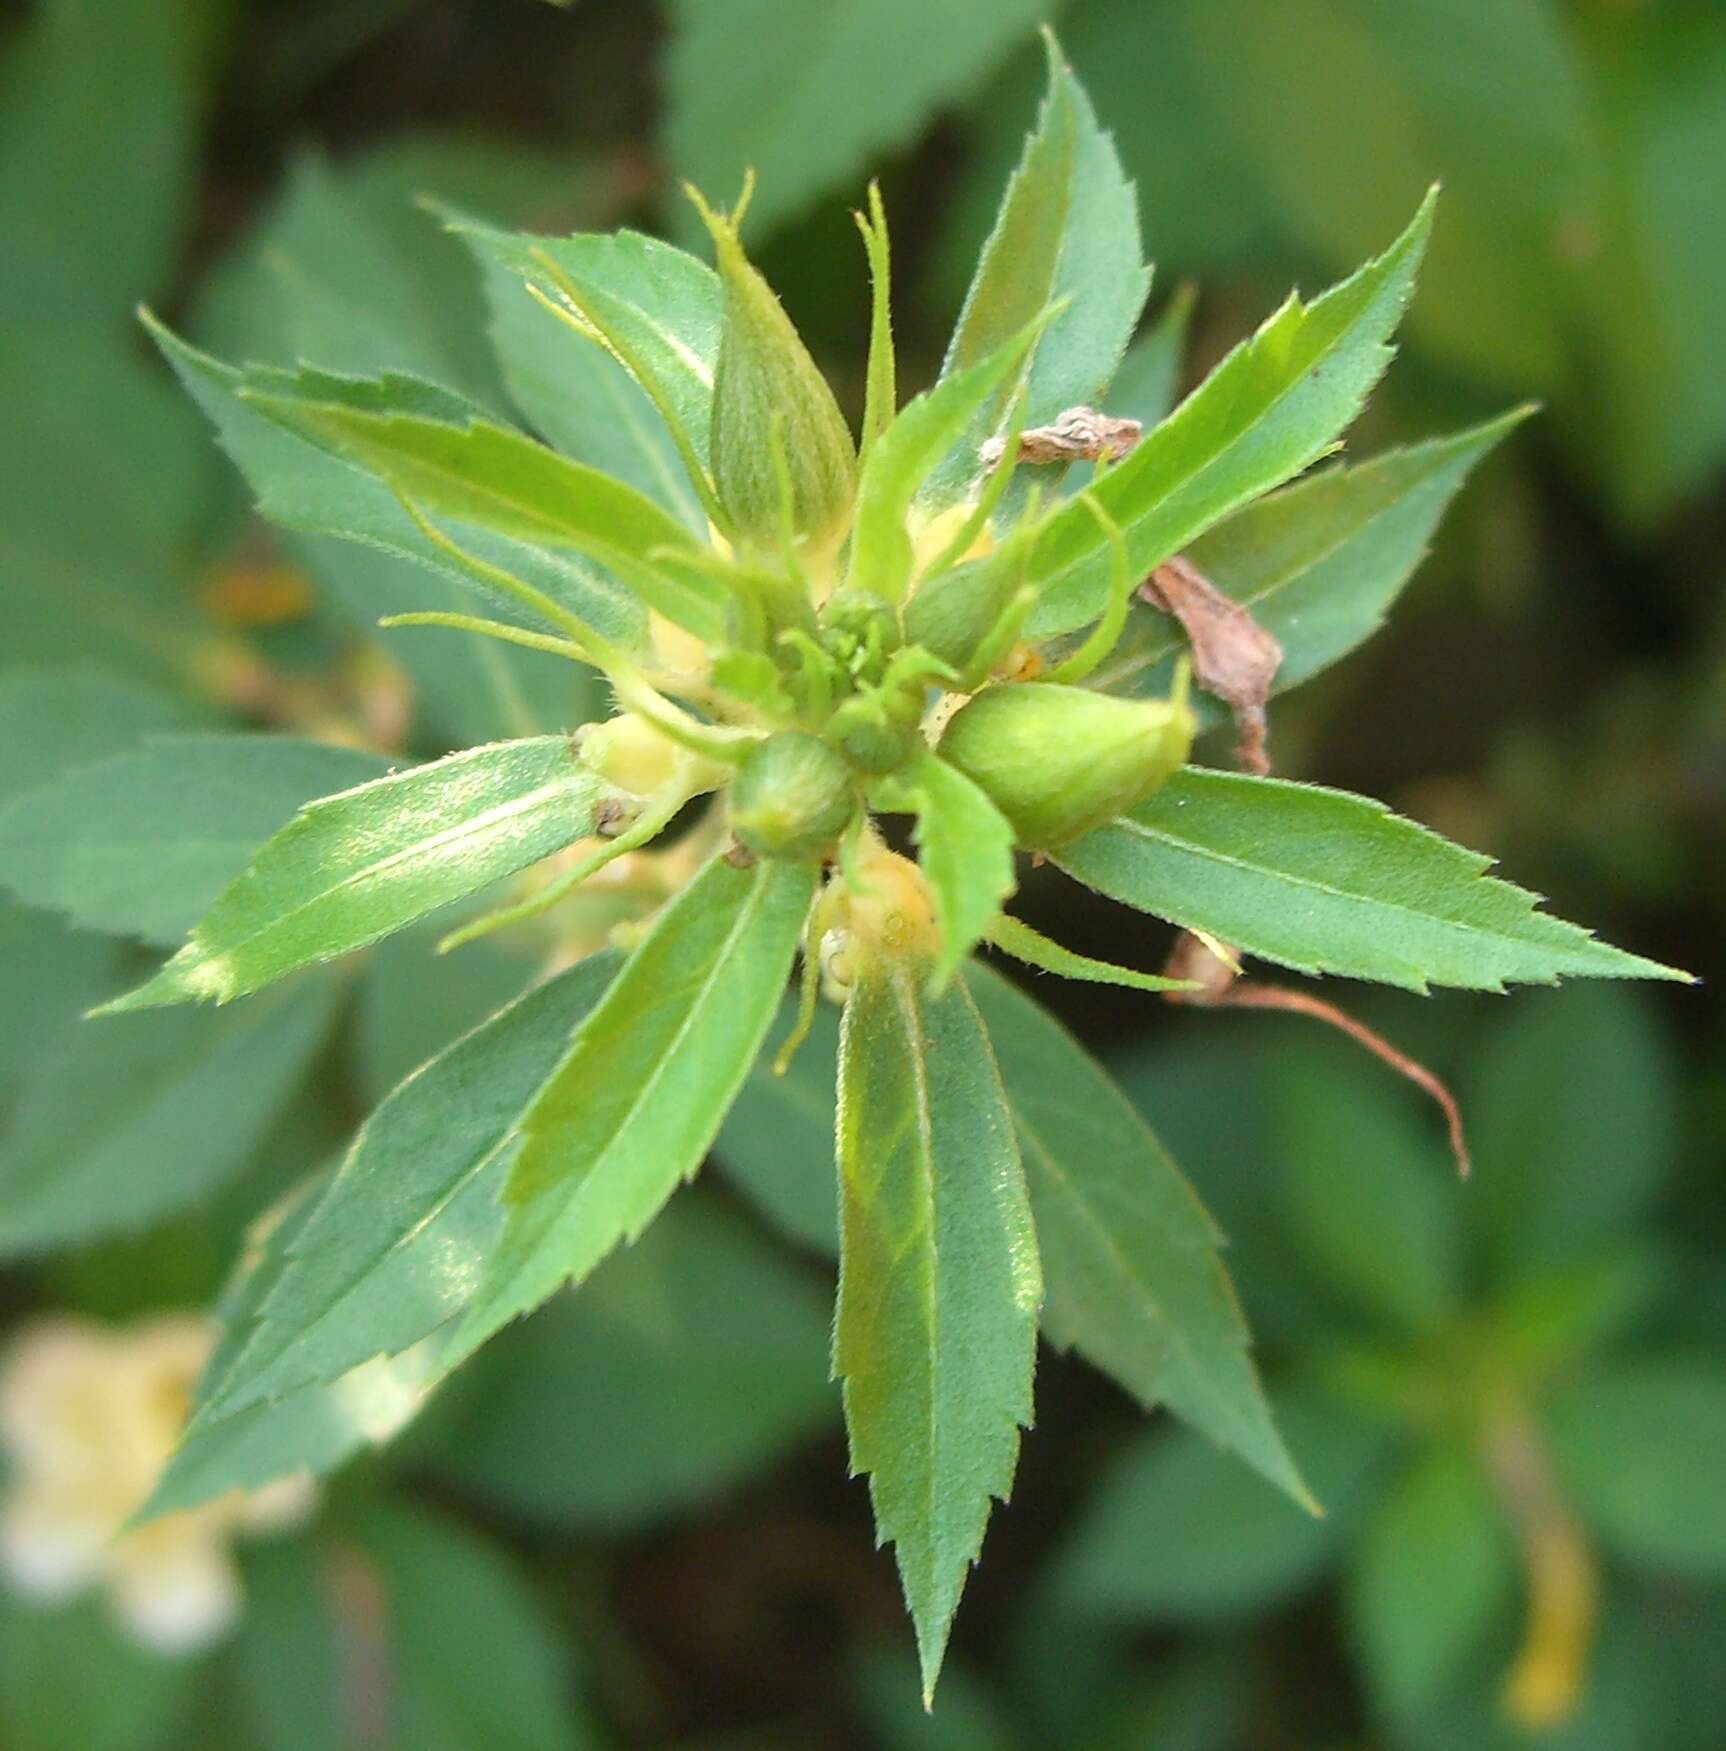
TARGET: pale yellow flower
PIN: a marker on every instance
(89, 1414)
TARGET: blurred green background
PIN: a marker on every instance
(628, 1523)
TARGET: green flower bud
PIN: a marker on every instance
(767, 393)
(872, 738)
(792, 796)
(1058, 761)
(629, 752)
(953, 614)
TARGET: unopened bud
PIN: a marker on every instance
(792, 797)
(632, 754)
(1058, 761)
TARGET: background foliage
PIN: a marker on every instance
(624, 1525)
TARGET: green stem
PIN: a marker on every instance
(533, 641)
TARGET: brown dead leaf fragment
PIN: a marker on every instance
(1233, 656)
(1079, 434)
(1220, 986)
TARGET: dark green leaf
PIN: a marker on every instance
(140, 845)
(685, 1364)
(137, 1117)
(939, 1284)
(393, 1249)
(638, 1098)
(1319, 563)
(1068, 229)
(358, 865)
(1181, 1533)
(1324, 881)
(1135, 1274)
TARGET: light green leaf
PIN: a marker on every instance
(639, 1096)
(141, 844)
(137, 1118)
(1319, 563)
(1323, 881)
(1016, 938)
(1430, 1579)
(1272, 407)
(394, 1248)
(900, 463)
(1639, 1446)
(355, 866)
(496, 479)
(776, 1144)
(632, 367)
(1179, 1533)
(687, 1363)
(965, 847)
(808, 97)
(939, 1286)
(1134, 1263)
(1068, 229)
(307, 488)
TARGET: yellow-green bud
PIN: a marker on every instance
(792, 796)
(629, 752)
(1058, 761)
(768, 392)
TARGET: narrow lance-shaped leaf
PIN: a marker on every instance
(1319, 563)
(939, 1284)
(395, 1246)
(1326, 882)
(141, 844)
(651, 313)
(1068, 228)
(965, 847)
(308, 487)
(1272, 407)
(1133, 1261)
(485, 474)
(639, 1097)
(356, 866)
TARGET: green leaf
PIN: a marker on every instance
(776, 1144)
(899, 464)
(308, 488)
(287, 1650)
(1068, 229)
(1273, 406)
(91, 231)
(686, 1364)
(1639, 1446)
(1573, 1116)
(137, 1118)
(141, 844)
(1323, 881)
(393, 1249)
(1431, 1577)
(1144, 387)
(355, 866)
(494, 478)
(935, 1339)
(626, 383)
(477, 1664)
(1319, 563)
(54, 720)
(1179, 1533)
(1016, 938)
(1134, 1266)
(639, 1096)
(809, 97)
(965, 847)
